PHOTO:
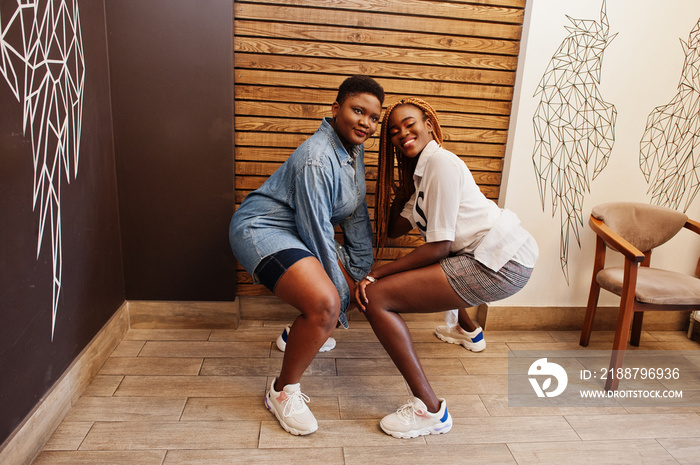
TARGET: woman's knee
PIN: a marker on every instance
(323, 310)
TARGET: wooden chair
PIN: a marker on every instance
(634, 230)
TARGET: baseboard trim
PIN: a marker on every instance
(29, 438)
(571, 319)
(150, 314)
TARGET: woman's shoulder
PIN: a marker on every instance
(440, 157)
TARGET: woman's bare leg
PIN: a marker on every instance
(307, 287)
(465, 322)
(423, 290)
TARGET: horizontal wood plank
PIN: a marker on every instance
(363, 19)
(325, 97)
(382, 38)
(418, 87)
(438, 9)
(256, 52)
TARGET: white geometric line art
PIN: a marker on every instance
(574, 127)
(669, 154)
(41, 59)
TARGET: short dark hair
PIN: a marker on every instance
(359, 84)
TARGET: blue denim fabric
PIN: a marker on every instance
(319, 187)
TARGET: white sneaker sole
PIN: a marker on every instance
(328, 345)
(284, 425)
(440, 428)
(473, 346)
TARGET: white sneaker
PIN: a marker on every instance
(413, 420)
(473, 341)
(289, 406)
(282, 341)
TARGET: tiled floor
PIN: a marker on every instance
(196, 397)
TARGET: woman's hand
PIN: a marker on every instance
(361, 294)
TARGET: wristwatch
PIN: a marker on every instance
(371, 279)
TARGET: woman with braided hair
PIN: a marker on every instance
(475, 252)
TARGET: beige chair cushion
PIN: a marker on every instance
(654, 286)
(644, 226)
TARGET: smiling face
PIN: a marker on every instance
(409, 130)
(356, 119)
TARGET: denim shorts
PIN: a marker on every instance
(272, 267)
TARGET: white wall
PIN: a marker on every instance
(641, 69)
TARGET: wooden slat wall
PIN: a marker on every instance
(291, 55)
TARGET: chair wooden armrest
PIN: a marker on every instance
(617, 242)
(692, 225)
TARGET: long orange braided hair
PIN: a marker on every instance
(403, 187)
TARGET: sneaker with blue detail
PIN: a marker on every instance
(282, 341)
(473, 340)
(414, 419)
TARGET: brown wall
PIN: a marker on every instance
(165, 137)
(92, 278)
(171, 69)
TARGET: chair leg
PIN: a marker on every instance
(636, 328)
(624, 320)
(590, 313)
(622, 329)
(692, 320)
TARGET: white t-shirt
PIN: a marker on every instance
(448, 205)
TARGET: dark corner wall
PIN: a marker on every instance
(172, 95)
(92, 283)
(147, 216)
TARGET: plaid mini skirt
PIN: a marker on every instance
(477, 284)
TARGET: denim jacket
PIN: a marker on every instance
(319, 187)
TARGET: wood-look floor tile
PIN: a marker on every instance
(347, 350)
(592, 350)
(370, 407)
(103, 385)
(669, 336)
(325, 456)
(647, 452)
(191, 386)
(356, 385)
(506, 430)
(469, 384)
(376, 407)
(355, 334)
(443, 454)
(262, 367)
(497, 406)
(518, 336)
(596, 336)
(128, 435)
(151, 366)
(442, 349)
(685, 450)
(384, 366)
(126, 409)
(602, 427)
(250, 408)
(167, 334)
(100, 457)
(254, 334)
(128, 348)
(69, 435)
(205, 349)
(486, 365)
(331, 433)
